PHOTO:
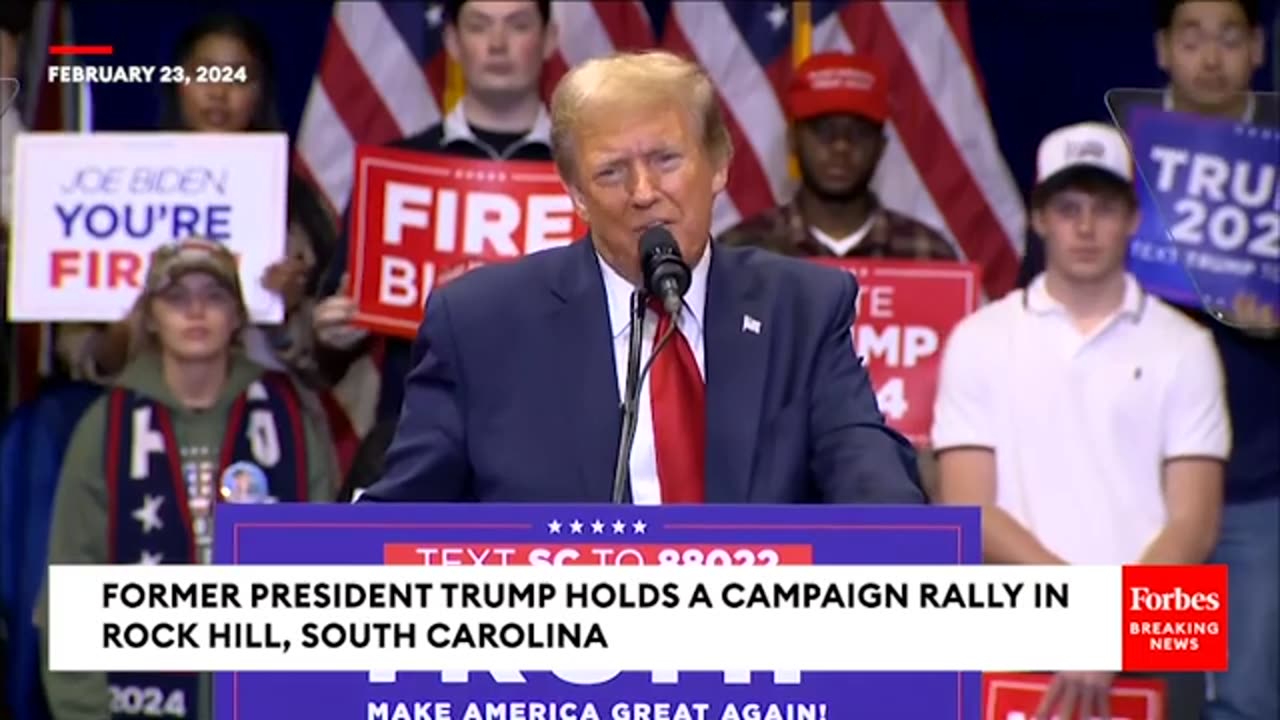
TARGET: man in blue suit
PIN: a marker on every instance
(519, 367)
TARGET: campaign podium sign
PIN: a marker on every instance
(370, 534)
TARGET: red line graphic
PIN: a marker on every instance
(81, 50)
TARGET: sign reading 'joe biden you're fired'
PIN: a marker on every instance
(91, 208)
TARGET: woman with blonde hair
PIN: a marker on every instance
(189, 422)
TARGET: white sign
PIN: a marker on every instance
(90, 208)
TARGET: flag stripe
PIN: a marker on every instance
(394, 71)
(436, 71)
(326, 149)
(409, 21)
(749, 186)
(924, 135)
(351, 93)
(949, 81)
(627, 23)
(594, 29)
(957, 15)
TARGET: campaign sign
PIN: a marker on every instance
(1017, 696)
(906, 310)
(90, 209)
(419, 220)
(1210, 203)
(594, 535)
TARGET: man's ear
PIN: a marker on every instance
(1257, 48)
(579, 202)
(1162, 50)
(882, 142)
(1038, 222)
(1135, 220)
(720, 179)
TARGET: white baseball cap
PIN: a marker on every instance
(1089, 144)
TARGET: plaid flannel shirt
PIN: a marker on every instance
(892, 235)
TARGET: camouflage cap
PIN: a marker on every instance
(171, 261)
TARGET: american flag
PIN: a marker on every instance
(383, 76)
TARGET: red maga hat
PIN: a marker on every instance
(838, 83)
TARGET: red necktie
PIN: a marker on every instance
(677, 395)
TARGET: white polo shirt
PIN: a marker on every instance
(1081, 425)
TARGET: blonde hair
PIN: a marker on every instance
(625, 83)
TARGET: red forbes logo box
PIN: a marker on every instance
(1175, 618)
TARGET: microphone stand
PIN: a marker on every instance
(630, 399)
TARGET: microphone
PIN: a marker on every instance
(630, 399)
(666, 275)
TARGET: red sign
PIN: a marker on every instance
(1017, 696)
(419, 220)
(906, 311)
(596, 554)
(1175, 618)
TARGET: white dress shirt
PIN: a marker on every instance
(645, 489)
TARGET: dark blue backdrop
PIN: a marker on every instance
(1045, 62)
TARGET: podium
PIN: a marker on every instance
(370, 534)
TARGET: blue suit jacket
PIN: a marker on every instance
(513, 395)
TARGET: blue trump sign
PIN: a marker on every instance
(1210, 205)
(370, 534)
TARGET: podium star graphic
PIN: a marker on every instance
(597, 527)
(619, 527)
(575, 527)
(149, 513)
(638, 526)
(554, 527)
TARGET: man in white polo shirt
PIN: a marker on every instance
(1084, 416)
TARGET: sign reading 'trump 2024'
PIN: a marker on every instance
(1210, 195)
(906, 310)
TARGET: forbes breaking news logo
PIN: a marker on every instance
(1175, 618)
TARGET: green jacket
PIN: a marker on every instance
(78, 533)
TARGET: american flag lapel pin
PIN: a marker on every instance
(750, 324)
